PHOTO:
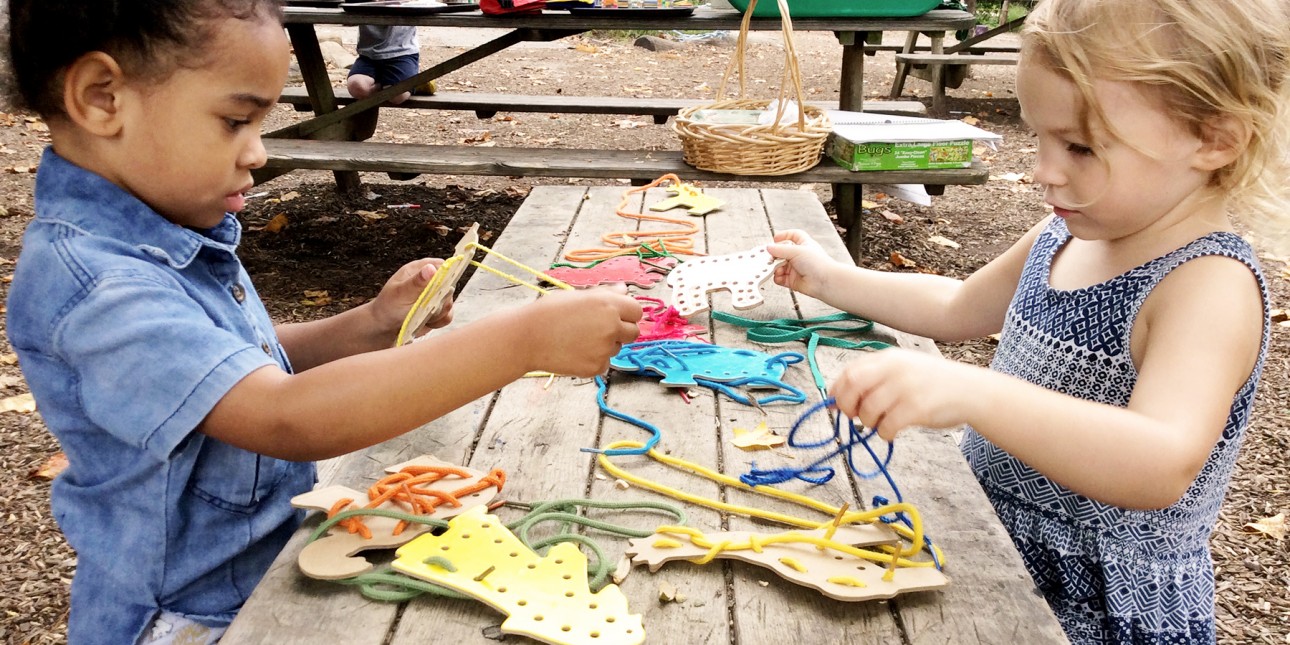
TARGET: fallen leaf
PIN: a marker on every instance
(864, 203)
(275, 225)
(1274, 526)
(970, 120)
(370, 216)
(943, 241)
(759, 438)
(621, 484)
(289, 196)
(894, 218)
(8, 359)
(51, 468)
(24, 403)
(585, 48)
(316, 298)
(628, 124)
(442, 230)
(1280, 315)
(7, 381)
(901, 261)
(1009, 176)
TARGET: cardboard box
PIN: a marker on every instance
(863, 141)
(900, 155)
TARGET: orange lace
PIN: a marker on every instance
(405, 488)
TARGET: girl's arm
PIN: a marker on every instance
(1195, 342)
(937, 307)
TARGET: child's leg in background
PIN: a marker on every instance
(368, 76)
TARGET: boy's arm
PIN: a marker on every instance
(354, 402)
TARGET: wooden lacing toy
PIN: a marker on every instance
(430, 302)
(845, 578)
(742, 274)
(422, 487)
(675, 241)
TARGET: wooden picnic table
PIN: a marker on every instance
(331, 140)
(534, 429)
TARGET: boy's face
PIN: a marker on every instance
(1110, 187)
(190, 141)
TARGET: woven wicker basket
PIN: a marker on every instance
(771, 149)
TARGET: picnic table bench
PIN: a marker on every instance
(533, 429)
(334, 139)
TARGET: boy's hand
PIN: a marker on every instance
(807, 267)
(401, 291)
(577, 332)
(894, 389)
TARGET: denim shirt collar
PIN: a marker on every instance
(64, 192)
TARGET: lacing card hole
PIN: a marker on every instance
(521, 602)
(567, 577)
(610, 619)
(501, 590)
(515, 554)
(484, 526)
(837, 557)
(559, 561)
(592, 606)
(497, 541)
(465, 536)
(595, 634)
(538, 618)
(532, 566)
(444, 547)
(568, 594)
(566, 628)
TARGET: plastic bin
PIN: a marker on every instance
(840, 8)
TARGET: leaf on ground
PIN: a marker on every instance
(864, 203)
(901, 261)
(1280, 315)
(621, 571)
(970, 120)
(8, 359)
(585, 48)
(51, 468)
(370, 216)
(628, 124)
(1019, 177)
(943, 241)
(24, 403)
(7, 381)
(759, 438)
(316, 298)
(666, 592)
(1274, 526)
(894, 218)
(289, 196)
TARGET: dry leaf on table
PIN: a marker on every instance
(759, 438)
(943, 241)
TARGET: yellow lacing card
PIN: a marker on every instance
(430, 302)
(544, 597)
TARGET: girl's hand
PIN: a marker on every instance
(400, 293)
(894, 389)
(807, 267)
(576, 332)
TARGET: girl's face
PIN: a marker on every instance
(1109, 188)
(191, 140)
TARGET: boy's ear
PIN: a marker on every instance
(1223, 139)
(92, 89)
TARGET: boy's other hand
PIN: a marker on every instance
(895, 389)
(400, 293)
(576, 332)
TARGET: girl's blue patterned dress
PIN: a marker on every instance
(1111, 575)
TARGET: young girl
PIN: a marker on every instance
(189, 419)
(1134, 320)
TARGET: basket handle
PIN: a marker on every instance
(791, 72)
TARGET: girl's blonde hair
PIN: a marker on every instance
(1202, 59)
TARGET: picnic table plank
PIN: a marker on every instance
(534, 429)
(685, 429)
(780, 611)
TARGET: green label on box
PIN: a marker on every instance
(900, 156)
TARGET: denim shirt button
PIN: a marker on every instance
(265, 347)
(239, 294)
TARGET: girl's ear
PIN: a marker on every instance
(1223, 139)
(92, 89)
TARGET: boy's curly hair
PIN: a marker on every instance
(148, 38)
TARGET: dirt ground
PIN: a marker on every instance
(335, 251)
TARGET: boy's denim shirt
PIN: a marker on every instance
(129, 329)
